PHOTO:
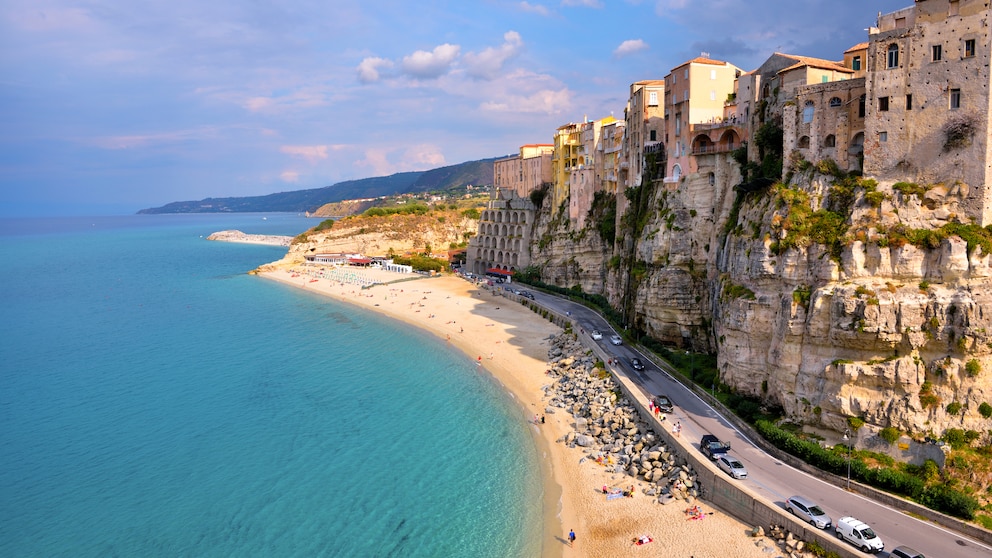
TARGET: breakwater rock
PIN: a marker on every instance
(238, 236)
(608, 428)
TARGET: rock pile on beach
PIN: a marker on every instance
(608, 427)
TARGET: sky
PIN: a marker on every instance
(111, 106)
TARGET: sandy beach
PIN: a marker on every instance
(511, 342)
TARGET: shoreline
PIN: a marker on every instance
(511, 342)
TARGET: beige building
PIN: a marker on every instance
(585, 177)
(696, 92)
(564, 157)
(504, 232)
(644, 121)
(928, 100)
(525, 172)
(610, 152)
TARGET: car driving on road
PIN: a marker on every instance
(859, 534)
(596, 334)
(663, 403)
(712, 447)
(732, 466)
(808, 511)
(636, 364)
(616, 340)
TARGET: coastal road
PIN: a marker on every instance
(768, 477)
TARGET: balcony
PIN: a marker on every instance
(710, 149)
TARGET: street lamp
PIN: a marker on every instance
(850, 443)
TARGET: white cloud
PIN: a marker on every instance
(309, 152)
(289, 176)
(488, 63)
(369, 69)
(546, 101)
(376, 161)
(422, 157)
(534, 8)
(630, 46)
(428, 65)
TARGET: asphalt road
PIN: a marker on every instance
(768, 477)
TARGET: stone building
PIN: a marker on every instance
(503, 239)
(585, 177)
(526, 171)
(928, 100)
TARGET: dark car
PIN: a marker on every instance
(527, 294)
(712, 446)
(663, 403)
(636, 364)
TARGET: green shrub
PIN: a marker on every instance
(953, 408)
(324, 225)
(890, 434)
(973, 367)
(954, 437)
(985, 410)
(910, 189)
(855, 422)
(950, 501)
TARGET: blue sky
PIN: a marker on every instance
(110, 106)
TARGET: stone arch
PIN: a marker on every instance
(856, 151)
(835, 102)
(830, 141)
(702, 144)
(729, 140)
(677, 171)
(804, 142)
(809, 109)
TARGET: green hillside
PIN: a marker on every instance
(479, 173)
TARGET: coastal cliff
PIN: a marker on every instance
(829, 296)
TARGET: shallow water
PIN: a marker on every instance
(155, 400)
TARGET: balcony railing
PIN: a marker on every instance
(712, 148)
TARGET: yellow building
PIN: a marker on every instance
(695, 92)
(525, 172)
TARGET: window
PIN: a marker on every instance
(955, 99)
(712, 178)
(686, 74)
(856, 63)
(830, 141)
(835, 102)
(808, 112)
(804, 142)
(969, 48)
(654, 135)
(861, 107)
(909, 102)
(824, 79)
(712, 74)
(937, 53)
(653, 98)
(712, 95)
(892, 61)
(883, 104)
(685, 95)
(883, 136)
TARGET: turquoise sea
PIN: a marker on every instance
(155, 400)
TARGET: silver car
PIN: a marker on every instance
(809, 511)
(732, 466)
(616, 340)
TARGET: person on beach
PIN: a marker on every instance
(571, 537)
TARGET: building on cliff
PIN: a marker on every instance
(586, 177)
(928, 94)
(526, 171)
(695, 92)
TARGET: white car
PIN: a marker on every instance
(616, 340)
(596, 334)
(859, 534)
(732, 466)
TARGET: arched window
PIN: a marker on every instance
(835, 102)
(804, 142)
(892, 58)
(808, 112)
(677, 172)
(829, 141)
(712, 178)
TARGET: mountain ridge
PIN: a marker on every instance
(479, 172)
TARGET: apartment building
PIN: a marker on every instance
(565, 156)
(526, 171)
(585, 176)
(610, 152)
(928, 100)
(696, 92)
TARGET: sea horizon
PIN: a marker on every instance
(157, 400)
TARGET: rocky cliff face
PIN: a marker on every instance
(830, 298)
(377, 236)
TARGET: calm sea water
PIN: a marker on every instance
(157, 401)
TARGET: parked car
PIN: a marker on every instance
(712, 447)
(859, 534)
(636, 364)
(516, 291)
(905, 552)
(732, 466)
(663, 403)
(596, 334)
(616, 340)
(527, 294)
(807, 510)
